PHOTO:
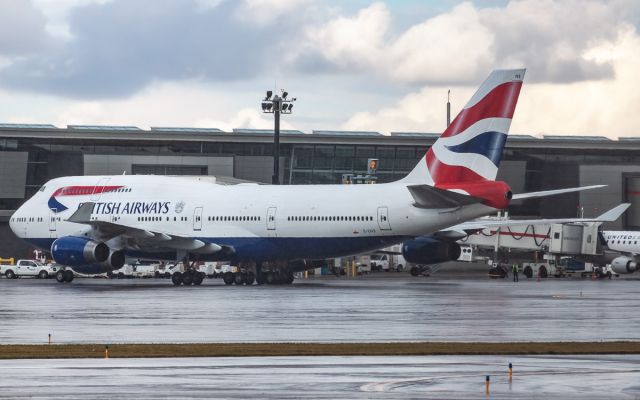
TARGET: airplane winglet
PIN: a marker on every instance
(545, 193)
(614, 213)
(426, 196)
(83, 213)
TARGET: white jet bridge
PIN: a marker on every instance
(560, 239)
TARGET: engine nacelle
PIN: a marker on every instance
(114, 261)
(624, 265)
(75, 251)
(429, 250)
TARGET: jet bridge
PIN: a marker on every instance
(580, 239)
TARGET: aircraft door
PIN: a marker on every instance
(383, 219)
(99, 188)
(271, 218)
(197, 219)
(52, 219)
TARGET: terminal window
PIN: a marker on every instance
(160, 169)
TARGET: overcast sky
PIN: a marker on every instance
(356, 65)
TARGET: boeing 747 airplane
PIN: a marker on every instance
(91, 223)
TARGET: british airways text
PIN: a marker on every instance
(131, 207)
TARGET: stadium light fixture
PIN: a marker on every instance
(276, 106)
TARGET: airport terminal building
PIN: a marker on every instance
(31, 154)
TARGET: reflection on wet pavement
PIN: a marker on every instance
(398, 309)
(589, 377)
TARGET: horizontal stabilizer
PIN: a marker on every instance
(426, 196)
(545, 193)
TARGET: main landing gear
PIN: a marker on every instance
(262, 276)
(64, 276)
(239, 278)
(187, 278)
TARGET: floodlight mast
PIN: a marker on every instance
(276, 106)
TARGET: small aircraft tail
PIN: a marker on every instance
(470, 149)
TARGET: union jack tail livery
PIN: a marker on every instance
(466, 156)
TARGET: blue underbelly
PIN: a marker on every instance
(270, 248)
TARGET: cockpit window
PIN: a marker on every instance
(42, 188)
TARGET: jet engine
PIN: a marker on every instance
(114, 261)
(429, 250)
(75, 251)
(624, 265)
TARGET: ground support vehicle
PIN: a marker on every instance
(28, 268)
(387, 262)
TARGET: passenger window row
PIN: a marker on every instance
(151, 218)
(156, 218)
(234, 218)
(623, 242)
(33, 219)
(332, 218)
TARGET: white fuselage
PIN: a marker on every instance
(260, 222)
(622, 241)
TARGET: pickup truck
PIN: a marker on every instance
(28, 268)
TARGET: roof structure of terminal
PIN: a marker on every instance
(293, 132)
(346, 133)
(415, 134)
(267, 131)
(185, 130)
(27, 126)
(521, 137)
(575, 137)
(105, 127)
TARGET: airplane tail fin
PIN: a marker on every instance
(470, 149)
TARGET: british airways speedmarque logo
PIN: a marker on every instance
(56, 206)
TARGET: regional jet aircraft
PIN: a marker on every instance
(92, 223)
(622, 250)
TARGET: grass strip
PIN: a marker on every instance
(145, 350)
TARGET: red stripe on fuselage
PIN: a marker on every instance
(83, 190)
(498, 103)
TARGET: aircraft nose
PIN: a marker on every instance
(15, 223)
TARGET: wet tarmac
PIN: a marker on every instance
(588, 377)
(399, 308)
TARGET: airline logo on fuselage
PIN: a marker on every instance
(56, 206)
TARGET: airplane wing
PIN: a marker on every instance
(124, 236)
(461, 230)
(545, 193)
